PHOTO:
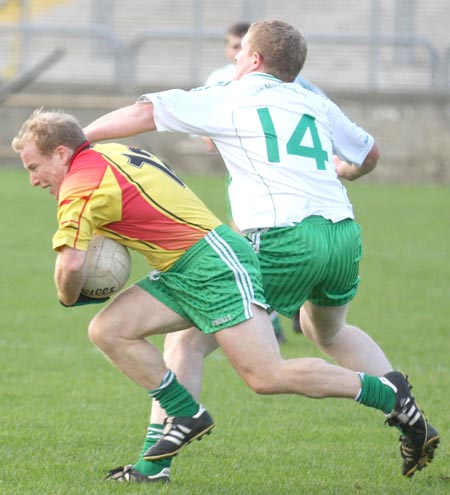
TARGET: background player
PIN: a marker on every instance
(233, 37)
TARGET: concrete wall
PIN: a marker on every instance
(413, 132)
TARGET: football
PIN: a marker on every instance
(108, 267)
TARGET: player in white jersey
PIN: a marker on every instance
(233, 41)
(280, 164)
(277, 141)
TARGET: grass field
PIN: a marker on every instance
(67, 416)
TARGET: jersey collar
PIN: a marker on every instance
(83, 146)
(262, 75)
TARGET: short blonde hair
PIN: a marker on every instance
(282, 47)
(49, 129)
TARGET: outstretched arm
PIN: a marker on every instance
(352, 172)
(124, 122)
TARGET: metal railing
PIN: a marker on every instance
(196, 38)
(125, 54)
(375, 43)
(27, 31)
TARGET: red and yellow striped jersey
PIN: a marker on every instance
(131, 196)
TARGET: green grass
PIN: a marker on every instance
(67, 416)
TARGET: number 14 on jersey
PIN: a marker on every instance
(293, 146)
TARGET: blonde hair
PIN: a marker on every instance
(282, 47)
(49, 129)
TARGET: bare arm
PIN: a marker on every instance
(352, 172)
(124, 122)
(69, 274)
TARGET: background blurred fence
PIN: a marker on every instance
(355, 45)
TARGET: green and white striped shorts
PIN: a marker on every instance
(213, 284)
(316, 260)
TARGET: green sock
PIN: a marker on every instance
(150, 468)
(174, 398)
(374, 393)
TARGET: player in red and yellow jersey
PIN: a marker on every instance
(131, 196)
(203, 273)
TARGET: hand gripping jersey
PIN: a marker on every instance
(277, 140)
(131, 196)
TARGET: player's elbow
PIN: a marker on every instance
(142, 117)
(66, 300)
(371, 159)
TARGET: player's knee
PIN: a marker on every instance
(99, 334)
(263, 388)
(261, 384)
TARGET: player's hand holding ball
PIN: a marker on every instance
(108, 267)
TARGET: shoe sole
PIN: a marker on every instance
(162, 480)
(199, 436)
(426, 457)
(122, 475)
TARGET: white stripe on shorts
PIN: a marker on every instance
(228, 256)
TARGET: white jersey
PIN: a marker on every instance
(277, 140)
(221, 74)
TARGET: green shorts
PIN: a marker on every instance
(316, 260)
(213, 284)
